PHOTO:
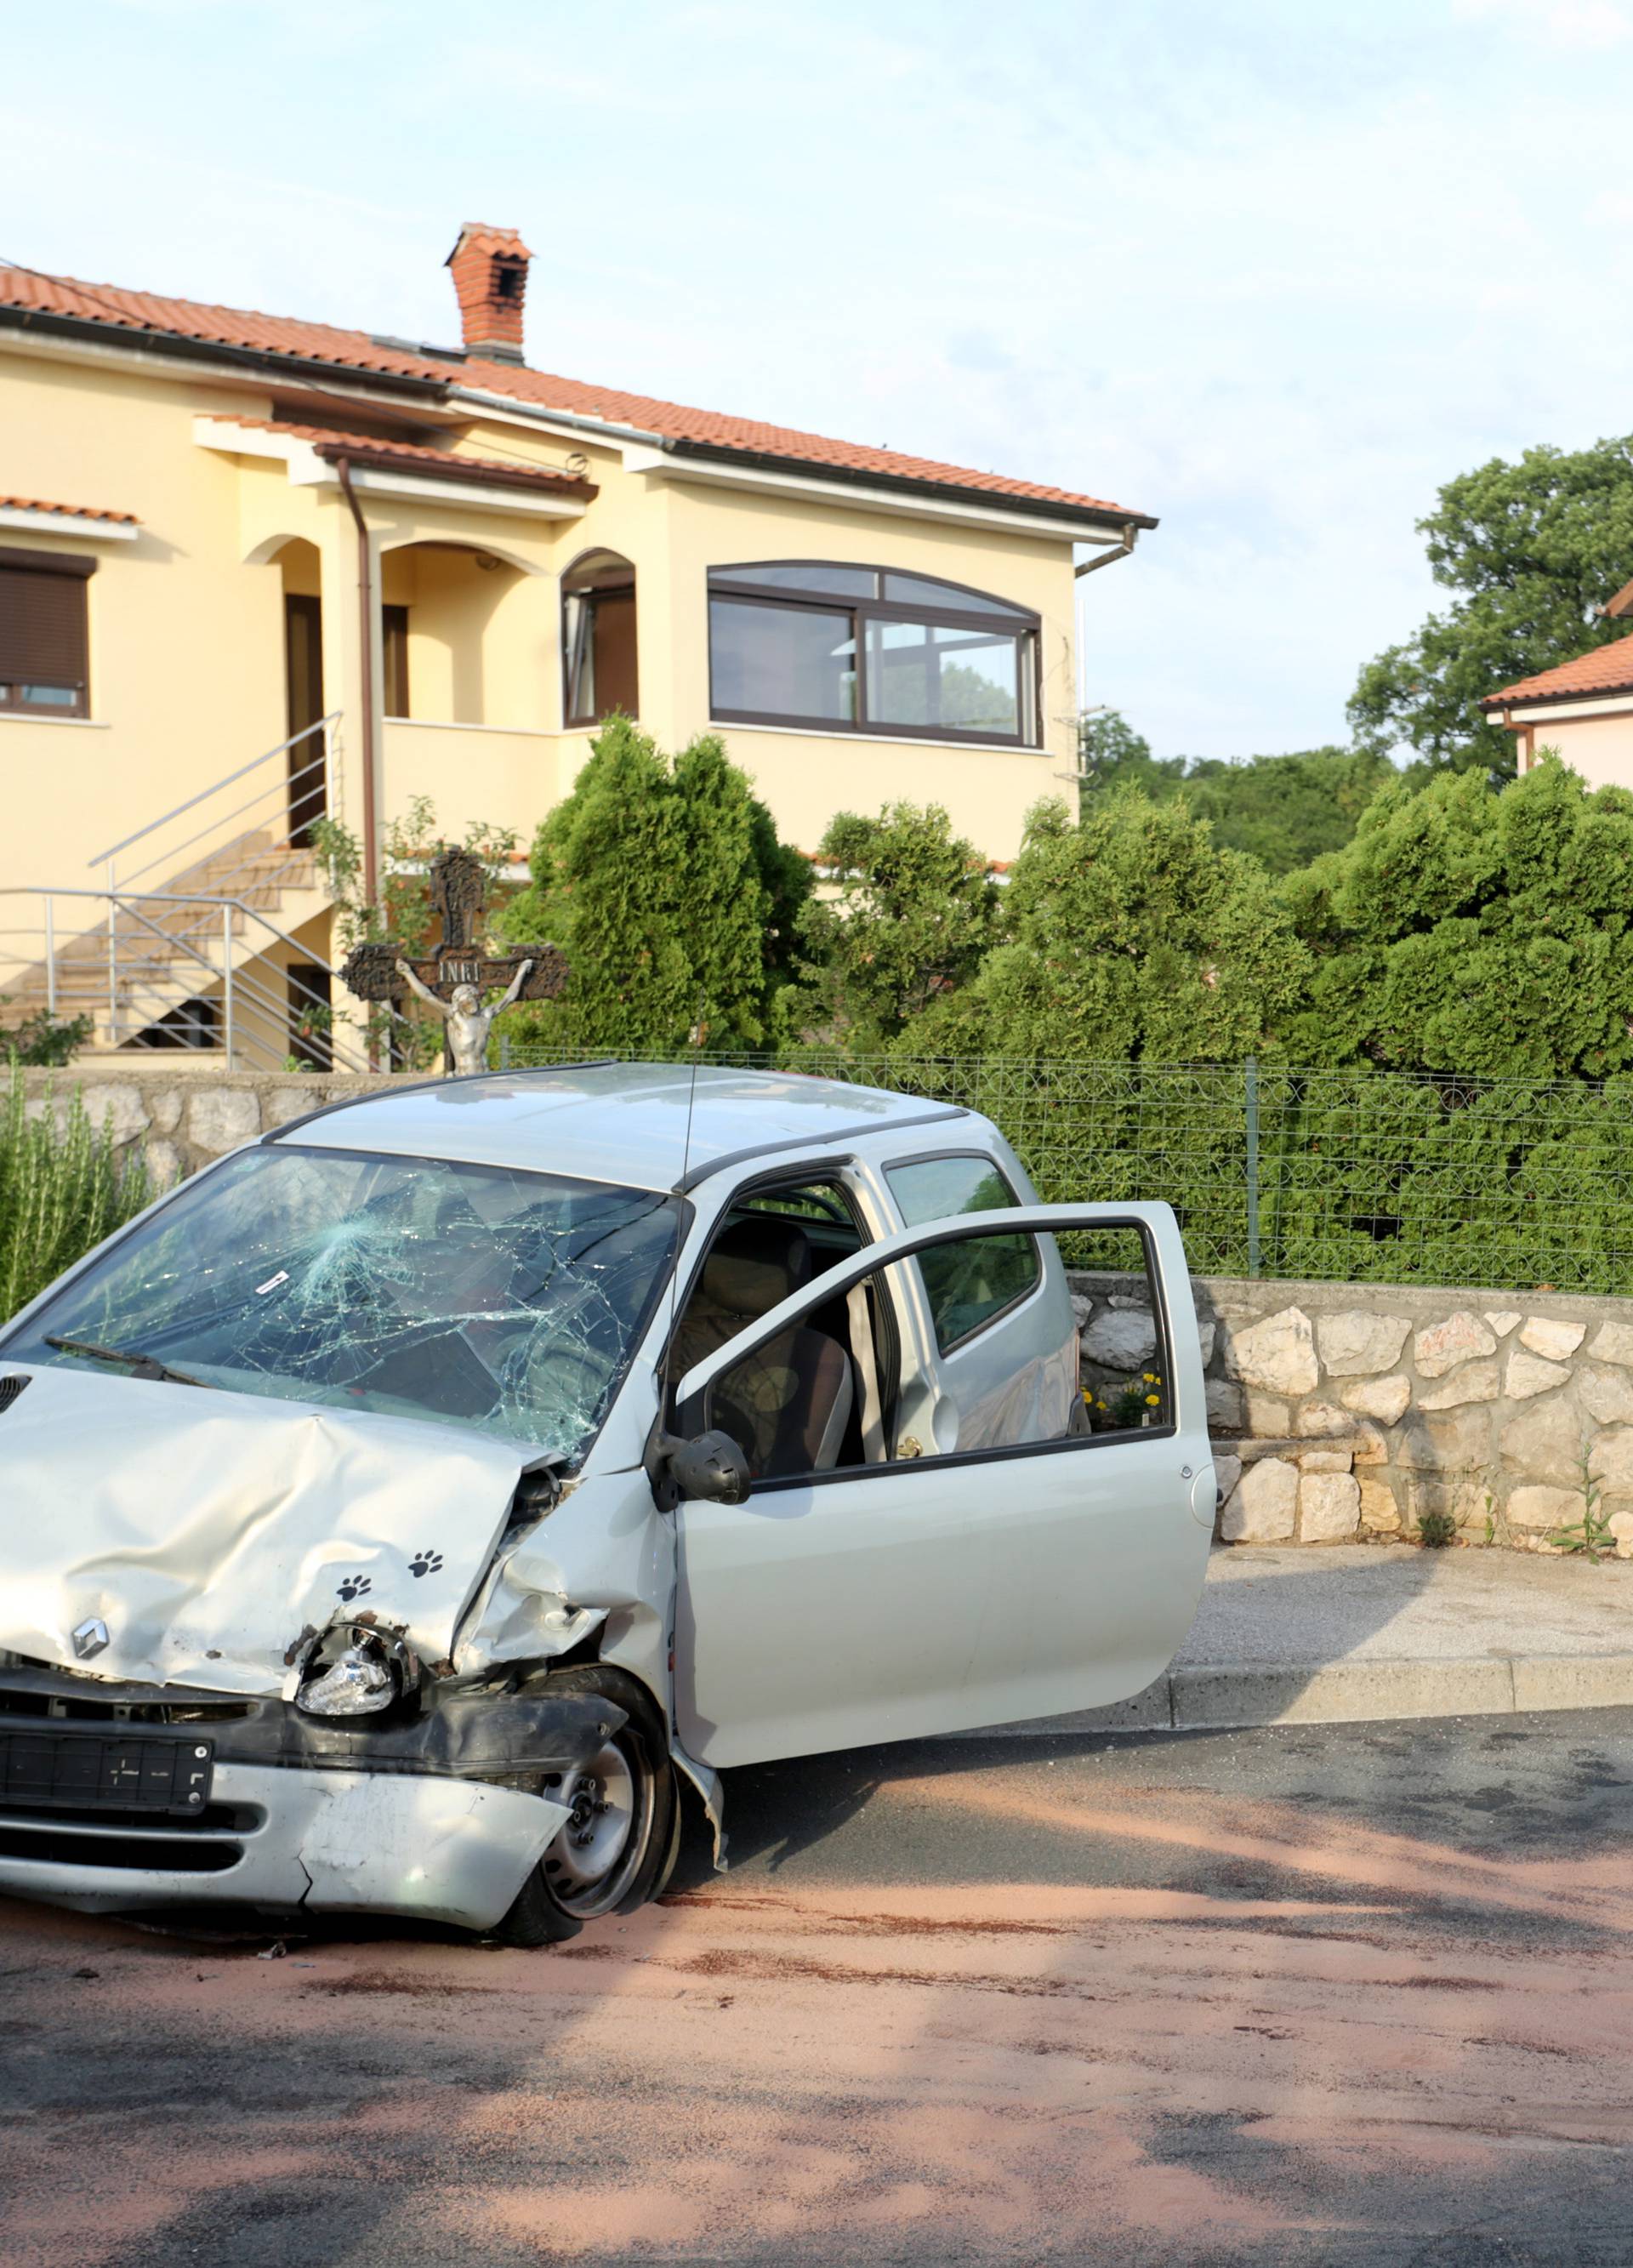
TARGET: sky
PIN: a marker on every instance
(1270, 270)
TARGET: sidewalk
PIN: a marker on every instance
(1360, 1632)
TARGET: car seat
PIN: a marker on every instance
(789, 1403)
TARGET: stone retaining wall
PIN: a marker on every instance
(186, 1116)
(1342, 1410)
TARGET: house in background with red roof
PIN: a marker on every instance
(254, 570)
(1584, 710)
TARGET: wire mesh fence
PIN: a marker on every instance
(1346, 1176)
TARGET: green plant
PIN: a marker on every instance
(1285, 810)
(1133, 1403)
(44, 1041)
(1497, 1530)
(908, 910)
(62, 1189)
(1473, 934)
(1591, 1534)
(1437, 1529)
(662, 879)
(1130, 937)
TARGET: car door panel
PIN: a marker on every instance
(938, 1594)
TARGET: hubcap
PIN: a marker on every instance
(595, 1836)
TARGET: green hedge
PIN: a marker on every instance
(1364, 1177)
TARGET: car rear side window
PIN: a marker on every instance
(967, 1285)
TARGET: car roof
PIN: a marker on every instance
(648, 1126)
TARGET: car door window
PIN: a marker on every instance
(790, 1401)
(969, 1284)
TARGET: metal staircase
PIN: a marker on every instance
(188, 941)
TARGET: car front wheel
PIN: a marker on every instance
(617, 1844)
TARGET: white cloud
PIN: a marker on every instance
(1591, 24)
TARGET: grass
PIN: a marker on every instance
(62, 1189)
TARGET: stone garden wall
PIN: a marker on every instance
(1341, 1411)
(184, 1116)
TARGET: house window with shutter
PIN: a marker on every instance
(44, 646)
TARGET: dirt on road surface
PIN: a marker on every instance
(1322, 1994)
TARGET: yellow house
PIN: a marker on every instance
(253, 569)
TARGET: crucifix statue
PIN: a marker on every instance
(455, 977)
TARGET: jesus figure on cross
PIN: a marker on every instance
(468, 1022)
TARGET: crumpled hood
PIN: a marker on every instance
(209, 1530)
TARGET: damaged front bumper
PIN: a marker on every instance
(410, 1818)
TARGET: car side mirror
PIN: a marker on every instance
(708, 1469)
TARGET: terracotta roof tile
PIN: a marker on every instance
(1606, 669)
(69, 511)
(672, 422)
(416, 454)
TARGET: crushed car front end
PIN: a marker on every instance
(121, 1797)
(263, 1461)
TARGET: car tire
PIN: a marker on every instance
(618, 1848)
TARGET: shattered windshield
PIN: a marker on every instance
(478, 1294)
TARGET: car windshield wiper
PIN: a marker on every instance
(140, 1365)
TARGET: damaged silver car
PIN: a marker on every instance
(394, 1516)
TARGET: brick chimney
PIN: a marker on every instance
(490, 280)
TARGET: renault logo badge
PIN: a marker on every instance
(90, 1638)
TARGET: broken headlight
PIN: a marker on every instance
(355, 1671)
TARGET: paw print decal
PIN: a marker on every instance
(353, 1588)
(425, 1563)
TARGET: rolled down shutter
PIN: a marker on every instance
(42, 618)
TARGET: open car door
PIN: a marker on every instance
(924, 1588)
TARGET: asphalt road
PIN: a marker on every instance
(1316, 1994)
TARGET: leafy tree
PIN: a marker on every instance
(1533, 549)
(1285, 810)
(664, 882)
(1467, 930)
(1132, 936)
(913, 908)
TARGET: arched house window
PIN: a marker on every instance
(842, 648)
(597, 640)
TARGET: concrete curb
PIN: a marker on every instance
(1201, 1697)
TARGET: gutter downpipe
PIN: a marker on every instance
(365, 620)
(1119, 551)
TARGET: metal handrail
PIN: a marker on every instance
(158, 978)
(289, 787)
(214, 787)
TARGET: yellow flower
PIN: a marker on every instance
(1152, 1399)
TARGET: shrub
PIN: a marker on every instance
(912, 910)
(662, 879)
(45, 1041)
(63, 1190)
(1131, 938)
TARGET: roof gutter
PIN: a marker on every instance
(908, 484)
(1119, 551)
(261, 360)
(761, 460)
(487, 400)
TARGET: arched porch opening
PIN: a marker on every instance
(447, 654)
